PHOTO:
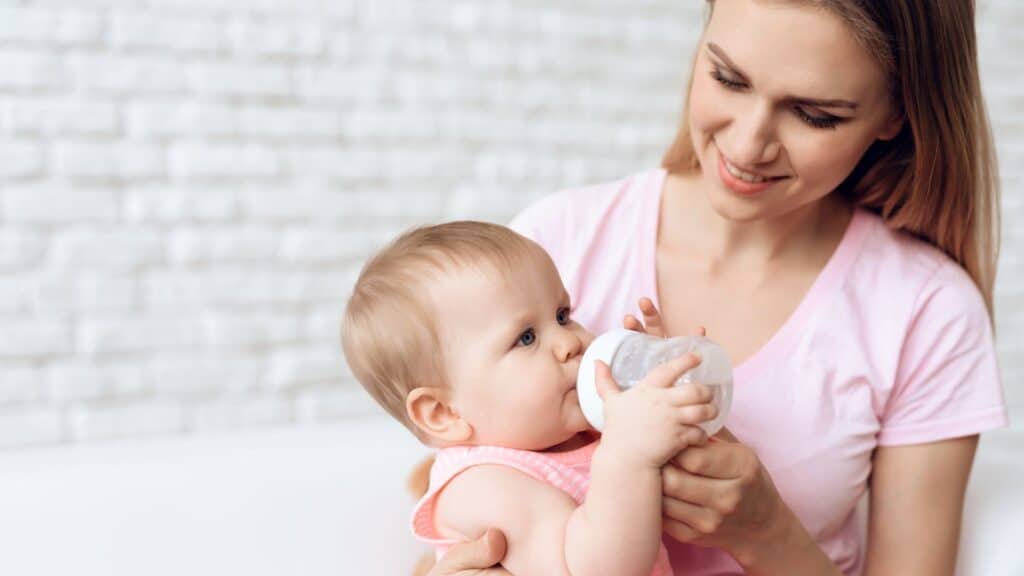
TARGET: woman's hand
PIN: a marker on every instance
(651, 323)
(720, 495)
(475, 558)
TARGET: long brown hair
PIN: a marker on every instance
(938, 178)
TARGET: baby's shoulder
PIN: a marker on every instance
(498, 496)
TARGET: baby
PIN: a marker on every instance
(463, 332)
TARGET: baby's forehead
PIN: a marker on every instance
(490, 283)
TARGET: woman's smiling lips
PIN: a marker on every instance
(741, 181)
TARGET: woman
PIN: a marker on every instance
(828, 211)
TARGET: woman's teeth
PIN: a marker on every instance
(745, 176)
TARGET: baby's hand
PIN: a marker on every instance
(652, 323)
(651, 422)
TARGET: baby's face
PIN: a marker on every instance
(512, 352)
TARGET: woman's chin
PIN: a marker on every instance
(734, 209)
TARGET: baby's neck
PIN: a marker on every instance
(578, 440)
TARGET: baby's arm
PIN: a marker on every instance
(532, 515)
(644, 428)
(546, 532)
(617, 530)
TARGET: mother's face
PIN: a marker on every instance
(783, 104)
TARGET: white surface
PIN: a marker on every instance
(306, 502)
(303, 502)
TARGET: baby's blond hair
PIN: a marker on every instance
(389, 333)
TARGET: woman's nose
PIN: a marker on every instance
(754, 140)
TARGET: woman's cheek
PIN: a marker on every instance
(708, 110)
(821, 161)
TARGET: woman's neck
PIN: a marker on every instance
(691, 227)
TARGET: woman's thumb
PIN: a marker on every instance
(484, 552)
(606, 385)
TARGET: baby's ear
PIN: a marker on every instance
(430, 411)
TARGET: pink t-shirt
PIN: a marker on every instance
(891, 345)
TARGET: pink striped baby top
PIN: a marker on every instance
(568, 471)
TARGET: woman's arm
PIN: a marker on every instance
(917, 498)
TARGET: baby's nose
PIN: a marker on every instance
(569, 347)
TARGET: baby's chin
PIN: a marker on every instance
(578, 422)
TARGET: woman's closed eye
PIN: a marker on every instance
(724, 80)
(826, 121)
(817, 121)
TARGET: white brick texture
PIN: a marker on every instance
(188, 188)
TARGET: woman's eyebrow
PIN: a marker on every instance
(819, 102)
(717, 50)
(834, 103)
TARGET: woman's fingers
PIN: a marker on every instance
(724, 460)
(652, 318)
(679, 530)
(681, 485)
(696, 518)
(724, 434)
(693, 436)
(473, 557)
(606, 385)
(630, 322)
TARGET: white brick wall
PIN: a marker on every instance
(188, 187)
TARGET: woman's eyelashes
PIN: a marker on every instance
(825, 121)
(717, 74)
(529, 336)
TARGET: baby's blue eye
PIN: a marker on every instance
(562, 316)
(527, 338)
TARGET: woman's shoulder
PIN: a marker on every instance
(586, 207)
(931, 330)
(906, 268)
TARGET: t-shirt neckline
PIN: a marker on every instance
(829, 279)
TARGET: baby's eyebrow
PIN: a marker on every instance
(516, 324)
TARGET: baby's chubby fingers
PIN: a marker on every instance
(665, 375)
(695, 413)
(691, 393)
(605, 382)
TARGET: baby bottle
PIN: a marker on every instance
(631, 355)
